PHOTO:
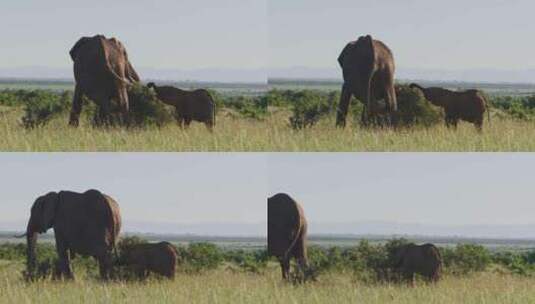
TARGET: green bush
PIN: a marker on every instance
(198, 257)
(307, 107)
(146, 109)
(41, 106)
(246, 106)
(466, 258)
(248, 260)
(414, 109)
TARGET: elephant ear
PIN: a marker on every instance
(360, 51)
(77, 45)
(344, 53)
(49, 203)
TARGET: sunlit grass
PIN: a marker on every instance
(227, 286)
(271, 134)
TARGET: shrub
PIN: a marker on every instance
(41, 106)
(246, 106)
(368, 262)
(146, 109)
(198, 257)
(466, 258)
(250, 261)
(414, 109)
(307, 108)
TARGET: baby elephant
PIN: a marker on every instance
(195, 105)
(469, 105)
(424, 259)
(159, 258)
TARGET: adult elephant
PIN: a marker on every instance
(469, 105)
(287, 229)
(410, 259)
(195, 105)
(368, 70)
(102, 72)
(85, 223)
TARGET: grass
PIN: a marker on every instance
(235, 133)
(225, 285)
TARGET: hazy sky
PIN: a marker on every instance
(231, 188)
(422, 34)
(186, 34)
(155, 187)
(436, 188)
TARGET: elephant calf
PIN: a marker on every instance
(421, 259)
(158, 258)
(195, 105)
(469, 105)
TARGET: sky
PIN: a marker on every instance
(167, 34)
(431, 189)
(341, 193)
(422, 34)
(151, 188)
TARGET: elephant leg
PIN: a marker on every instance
(187, 122)
(76, 107)
(102, 117)
(209, 125)
(301, 269)
(364, 119)
(64, 264)
(343, 106)
(391, 104)
(105, 265)
(285, 267)
(140, 272)
(479, 124)
(450, 121)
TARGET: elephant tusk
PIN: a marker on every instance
(21, 235)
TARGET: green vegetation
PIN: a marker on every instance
(473, 274)
(279, 120)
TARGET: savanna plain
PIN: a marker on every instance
(212, 272)
(283, 116)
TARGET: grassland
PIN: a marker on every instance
(270, 134)
(245, 124)
(225, 285)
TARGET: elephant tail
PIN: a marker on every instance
(295, 239)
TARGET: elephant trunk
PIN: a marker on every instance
(31, 241)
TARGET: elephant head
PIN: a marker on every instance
(41, 219)
(357, 54)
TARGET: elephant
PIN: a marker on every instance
(102, 72)
(159, 258)
(287, 230)
(84, 223)
(368, 71)
(423, 259)
(195, 105)
(469, 105)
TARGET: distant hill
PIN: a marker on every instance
(468, 75)
(370, 228)
(223, 75)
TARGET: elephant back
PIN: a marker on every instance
(284, 224)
